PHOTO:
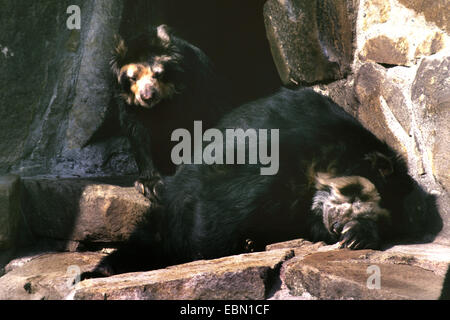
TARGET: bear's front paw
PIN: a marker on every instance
(150, 187)
(359, 234)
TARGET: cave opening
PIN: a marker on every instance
(230, 32)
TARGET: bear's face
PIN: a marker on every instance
(146, 67)
(143, 84)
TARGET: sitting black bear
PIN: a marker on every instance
(336, 183)
(164, 83)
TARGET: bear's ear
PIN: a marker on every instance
(381, 163)
(163, 33)
(120, 46)
(119, 53)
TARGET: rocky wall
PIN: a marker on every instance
(391, 63)
(404, 47)
(55, 89)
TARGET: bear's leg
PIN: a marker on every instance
(149, 181)
(150, 186)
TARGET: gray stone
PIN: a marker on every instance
(301, 247)
(93, 87)
(46, 276)
(238, 277)
(390, 33)
(9, 210)
(55, 90)
(385, 50)
(431, 256)
(431, 45)
(344, 274)
(311, 41)
(430, 94)
(436, 11)
(83, 210)
(442, 203)
(372, 85)
(384, 109)
(296, 269)
(297, 243)
(375, 11)
(341, 92)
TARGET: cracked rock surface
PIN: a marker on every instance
(295, 269)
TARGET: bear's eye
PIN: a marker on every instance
(351, 190)
(157, 75)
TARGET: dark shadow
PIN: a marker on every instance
(445, 293)
(421, 221)
(230, 32)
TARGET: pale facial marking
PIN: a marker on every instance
(343, 208)
(146, 88)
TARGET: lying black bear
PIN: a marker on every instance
(336, 183)
(164, 83)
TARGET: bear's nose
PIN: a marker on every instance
(147, 92)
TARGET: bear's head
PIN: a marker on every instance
(145, 67)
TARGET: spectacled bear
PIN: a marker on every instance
(163, 83)
(336, 183)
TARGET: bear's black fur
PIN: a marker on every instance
(336, 182)
(163, 83)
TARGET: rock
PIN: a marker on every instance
(430, 94)
(9, 210)
(431, 256)
(382, 108)
(442, 201)
(20, 262)
(407, 106)
(55, 90)
(375, 12)
(94, 86)
(311, 41)
(384, 50)
(90, 211)
(437, 11)
(296, 269)
(431, 45)
(386, 109)
(45, 277)
(247, 276)
(344, 274)
(390, 33)
(342, 93)
(388, 50)
(301, 247)
(297, 243)
(321, 271)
